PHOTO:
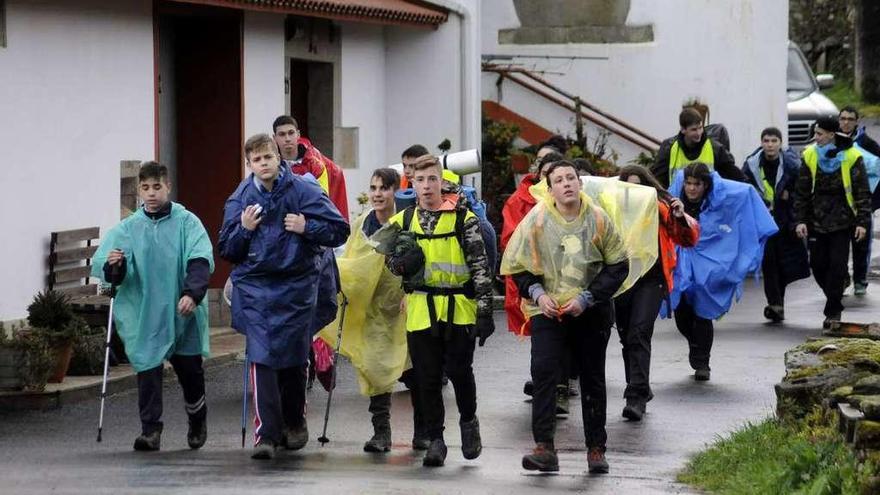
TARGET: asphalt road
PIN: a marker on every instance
(56, 452)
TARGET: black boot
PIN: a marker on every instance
(149, 441)
(471, 443)
(634, 409)
(436, 453)
(380, 407)
(197, 434)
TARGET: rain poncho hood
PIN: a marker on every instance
(734, 227)
(374, 333)
(145, 310)
(568, 255)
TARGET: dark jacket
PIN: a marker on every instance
(786, 177)
(864, 140)
(725, 164)
(824, 209)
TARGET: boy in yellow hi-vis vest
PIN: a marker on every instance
(690, 145)
(832, 205)
(439, 251)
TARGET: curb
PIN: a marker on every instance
(122, 378)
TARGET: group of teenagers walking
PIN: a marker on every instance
(578, 253)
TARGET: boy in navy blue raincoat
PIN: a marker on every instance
(275, 228)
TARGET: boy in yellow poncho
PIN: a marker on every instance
(567, 259)
(374, 335)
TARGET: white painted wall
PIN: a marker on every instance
(264, 65)
(77, 97)
(730, 53)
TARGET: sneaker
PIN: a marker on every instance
(774, 313)
(702, 375)
(148, 442)
(562, 407)
(529, 388)
(436, 454)
(295, 438)
(197, 434)
(264, 450)
(471, 443)
(860, 289)
(596, 461)
(543, 458)
(420, 443)
(634, 409)
(830, 320)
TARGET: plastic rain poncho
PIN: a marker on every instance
(145, 310)
(374, 334)
(633, 210)
(734, 227)
(568, 255)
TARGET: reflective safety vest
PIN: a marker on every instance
(811, 159)
(678, 160)
(448, 292)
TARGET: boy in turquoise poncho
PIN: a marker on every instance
(161, 259)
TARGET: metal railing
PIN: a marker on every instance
(575, 104)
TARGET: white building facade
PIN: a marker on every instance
(88, 84)
(731, 54)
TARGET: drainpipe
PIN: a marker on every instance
(469, 112)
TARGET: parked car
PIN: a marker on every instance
(806, 103)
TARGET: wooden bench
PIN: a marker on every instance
(70, 267)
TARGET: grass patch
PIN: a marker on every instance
(844, 94)
(796, 457)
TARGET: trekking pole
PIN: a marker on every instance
(323, 438)
(113, 269)
(244, 399)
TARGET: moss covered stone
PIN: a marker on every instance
(870, 385)
(867, 435)
(870, 407)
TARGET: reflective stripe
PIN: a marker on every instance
(678, 160)
(447, 267)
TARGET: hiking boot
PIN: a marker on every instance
(831, 320)
(860, 289)
(148, 442)
(634, 409)
(596, 461)
(471, 443)
(702, 375)
(562, 400)
(420, 443)
(197, 434)
(529, 388)
(543, 458)
(380, 407)
(774, 313)
(264, 450)
(295, 438)
(436, 454)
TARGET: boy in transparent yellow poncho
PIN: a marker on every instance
(374, 334)
(568, 260)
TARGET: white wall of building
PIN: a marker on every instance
(263, 67)
(70, 112)
(730, 53)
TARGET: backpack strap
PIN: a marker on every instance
(407, 217)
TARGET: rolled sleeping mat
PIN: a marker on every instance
(404, 198)
(461, 162)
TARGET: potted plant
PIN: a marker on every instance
(88, 352)
(26, 359)
(51, 316)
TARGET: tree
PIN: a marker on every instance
(867, 56)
